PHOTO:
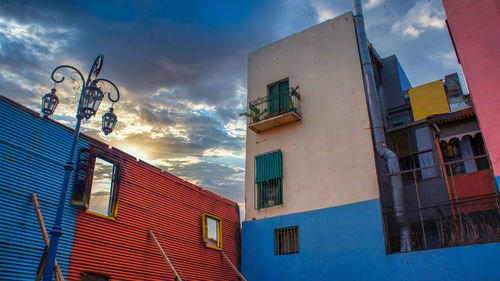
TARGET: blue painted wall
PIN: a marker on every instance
(403, 79)
(347, 243)
(33, 152)
(498, 182)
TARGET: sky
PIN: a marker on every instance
(181, 67)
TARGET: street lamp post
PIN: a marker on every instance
(90, 99)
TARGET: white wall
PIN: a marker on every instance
(328, 157)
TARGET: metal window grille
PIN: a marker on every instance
(270, 193)
(269, 179)
(286, 240)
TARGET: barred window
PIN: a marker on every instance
(286, 240)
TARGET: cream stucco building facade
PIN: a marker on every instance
(327, 156)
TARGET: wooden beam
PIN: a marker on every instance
(176, 276)
(232, 265)
(41, 265)
(57, 269)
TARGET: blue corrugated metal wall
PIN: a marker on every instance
(33, 152)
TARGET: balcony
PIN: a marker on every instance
(267, 112)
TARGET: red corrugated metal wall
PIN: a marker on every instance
(150, 199)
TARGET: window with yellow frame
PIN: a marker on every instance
(212, 231)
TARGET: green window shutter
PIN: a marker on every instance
(284, 90)
(268, 166)
(273, 99)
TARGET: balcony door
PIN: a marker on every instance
(278, 97)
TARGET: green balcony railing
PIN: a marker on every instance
(271, 106)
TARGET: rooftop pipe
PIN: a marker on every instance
(378, 128)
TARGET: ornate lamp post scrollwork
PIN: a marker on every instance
(90, 98)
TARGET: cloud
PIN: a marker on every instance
(229, 181)
(370, 4)
(445, 59)
(324, 11)
(421, 17)
(181, 67)
(31, 39)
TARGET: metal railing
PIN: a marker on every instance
(460, 220)
(266, 107)
(468, 221)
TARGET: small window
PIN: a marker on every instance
(88, 276)
(96, 183)
(212, 231)
(286, 240)
(268, 179)
(102, 187)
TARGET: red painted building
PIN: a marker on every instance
(112, 240)
(473, 27)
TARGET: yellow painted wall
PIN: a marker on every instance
(428, 99)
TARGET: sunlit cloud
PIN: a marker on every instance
(222, 152)
(236, 128)
(324, 11)
(176, 162)
(140, 152)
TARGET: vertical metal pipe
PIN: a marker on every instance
(420, 209)
(457, 204)
(378, 127)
